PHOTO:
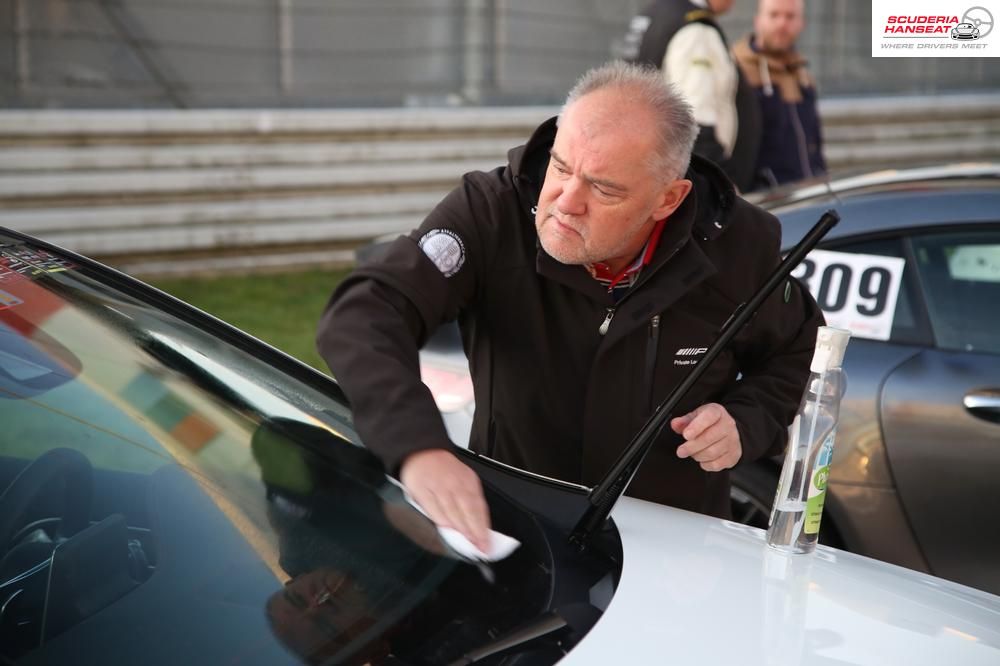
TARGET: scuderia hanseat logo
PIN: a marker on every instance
(931, 28)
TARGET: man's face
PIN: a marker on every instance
(777, 24)
(600, 199)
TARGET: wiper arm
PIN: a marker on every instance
(605, 495)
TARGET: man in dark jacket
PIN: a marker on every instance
(791, 143)
(587, 276)
(684, 40)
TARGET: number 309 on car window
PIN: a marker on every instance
(855, 291)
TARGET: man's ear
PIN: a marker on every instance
(673, 195)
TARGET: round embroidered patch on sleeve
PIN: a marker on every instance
(445, 249)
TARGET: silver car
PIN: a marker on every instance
(918, 445)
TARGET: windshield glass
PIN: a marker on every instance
(169, 485)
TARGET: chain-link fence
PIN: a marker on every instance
(350, 53)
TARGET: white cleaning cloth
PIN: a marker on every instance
(501, 545)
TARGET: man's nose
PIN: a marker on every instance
(572, 201)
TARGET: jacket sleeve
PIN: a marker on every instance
(380, 315)
(773, 353)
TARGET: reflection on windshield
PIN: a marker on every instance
(346, 595)
(183, 493)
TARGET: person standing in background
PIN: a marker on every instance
(791, 146)
(683, 39)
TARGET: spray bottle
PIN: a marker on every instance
(798, 505)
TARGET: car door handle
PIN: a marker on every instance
(984, 404)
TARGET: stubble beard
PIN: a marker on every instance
(570, 251)
(772, 45)
(576, 249)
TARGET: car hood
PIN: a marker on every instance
(698, 590)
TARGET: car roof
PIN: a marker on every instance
(889, 200)
(698, 590)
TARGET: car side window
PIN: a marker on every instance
(960, 276)
(908, 325)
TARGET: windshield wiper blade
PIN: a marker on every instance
(605, 495)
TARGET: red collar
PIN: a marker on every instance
(601, 272)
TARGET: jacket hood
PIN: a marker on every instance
(713, 192)
(715, 195)
(529, 161)
(767, 70)
(790, 59)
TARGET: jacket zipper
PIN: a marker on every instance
(652, 346)
(606, 324)
(610, 312)
(645, 273)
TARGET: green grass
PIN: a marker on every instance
(281, 309)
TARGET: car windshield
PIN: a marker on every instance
(174, 483)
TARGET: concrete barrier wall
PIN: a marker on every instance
(177, 191)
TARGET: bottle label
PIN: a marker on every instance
(817, 486)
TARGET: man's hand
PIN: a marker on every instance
(450, 492)
(712, 437)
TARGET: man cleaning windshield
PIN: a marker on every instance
(587, 276)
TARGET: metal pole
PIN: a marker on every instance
(130, 33)
(285, 62)
(839, 28)
(500, 42)
(22, 52)
(473, 63)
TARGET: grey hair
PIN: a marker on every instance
(646, 85)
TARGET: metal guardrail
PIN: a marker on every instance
(176, 191)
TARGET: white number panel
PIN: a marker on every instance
(856, 291)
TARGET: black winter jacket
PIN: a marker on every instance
(553, 395)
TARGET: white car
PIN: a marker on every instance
(177, 492)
